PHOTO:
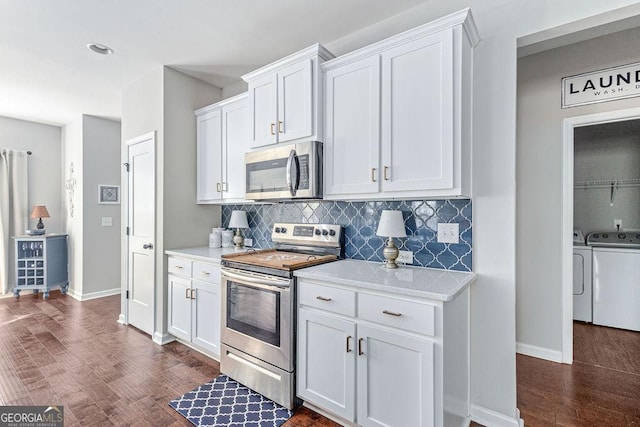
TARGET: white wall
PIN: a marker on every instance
(608, 152)
(45, 164)
(234, 89)
(72, 175)
(539, 165)
(101, 245)
(164, 101)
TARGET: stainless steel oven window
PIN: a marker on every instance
(254, 312)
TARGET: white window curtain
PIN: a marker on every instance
(14, 209)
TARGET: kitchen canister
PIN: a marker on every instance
(215, 238)
(227, 238)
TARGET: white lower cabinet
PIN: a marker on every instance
(194, 304)
(368, 370)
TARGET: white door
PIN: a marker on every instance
(209, 140)
(417, 114)
(388, 362)
(352, 128)
(236, 143)
(262, 111)
(295, 101)
(141, 223)
(326, 362)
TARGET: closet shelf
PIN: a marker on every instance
(612, 183)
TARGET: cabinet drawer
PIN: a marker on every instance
(336, 300)
(180, 267)
(411, 316)
(206, 272)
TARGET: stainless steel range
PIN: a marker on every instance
(259, 306)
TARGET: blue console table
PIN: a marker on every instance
(41, 264)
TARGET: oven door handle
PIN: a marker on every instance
(273, 284)
(292, 173)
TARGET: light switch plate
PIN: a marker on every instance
(248, 242)
(448, 233)
(107, 221)
(405, 257)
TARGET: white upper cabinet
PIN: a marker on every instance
(222, 138)
(398, 115)
(284, 101)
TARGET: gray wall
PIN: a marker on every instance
(606, 152)
(539, 175)
(45, 164)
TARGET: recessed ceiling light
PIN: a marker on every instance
(100, 48)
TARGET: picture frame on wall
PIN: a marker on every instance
(108, 194)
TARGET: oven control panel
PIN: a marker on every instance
(309, 234)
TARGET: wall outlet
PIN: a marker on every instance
(448, 233)
(107, 221)
(248, 242)
(405, 257)
(617, 223)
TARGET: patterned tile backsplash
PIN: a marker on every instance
(360, 221)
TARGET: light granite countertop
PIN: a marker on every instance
(432, 283)
(203, 253)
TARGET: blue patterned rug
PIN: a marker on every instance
(224, 402)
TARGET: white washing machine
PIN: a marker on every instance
(582, 283)
(616, 279)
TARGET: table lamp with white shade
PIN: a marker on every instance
(238, 220)
(391, 225)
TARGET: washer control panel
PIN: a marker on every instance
(617, 239)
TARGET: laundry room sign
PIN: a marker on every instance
(600, 86)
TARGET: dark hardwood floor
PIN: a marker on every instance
(601, 388)
(64, 352)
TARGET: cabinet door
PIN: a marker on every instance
(326, 362)
(263, 111)
(236, 144)
(417, 114)
(209, 152)
(179, 307)
(205, 318)
(352, 128)
(395, 379)
(295, 101)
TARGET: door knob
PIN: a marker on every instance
(147, 246)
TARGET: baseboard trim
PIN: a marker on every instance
(487, 417)
(93, 295)
(122, 319)
(539, 352)
(162, 339)
(333, 417)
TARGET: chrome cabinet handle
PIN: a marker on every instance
(186, 293)
(218, 187)
(323, 298)
(192, 294)
(179, 267)
(348, 348)
(391, 313)
(206, 273)
(386, 168)
(360, 352)
(272, 128)
(373, 175)
(147, 246)
(225, 186)
(280, 127)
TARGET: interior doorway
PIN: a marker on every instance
(571, 127)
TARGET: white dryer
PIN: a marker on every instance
(616, 279)
(582, 303)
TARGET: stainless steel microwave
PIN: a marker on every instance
(285, 172)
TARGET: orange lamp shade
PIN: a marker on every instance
(39, 212)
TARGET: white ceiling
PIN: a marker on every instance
(48, 75)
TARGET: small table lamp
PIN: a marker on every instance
(391, 225)
(39, 212)
(238, 220)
